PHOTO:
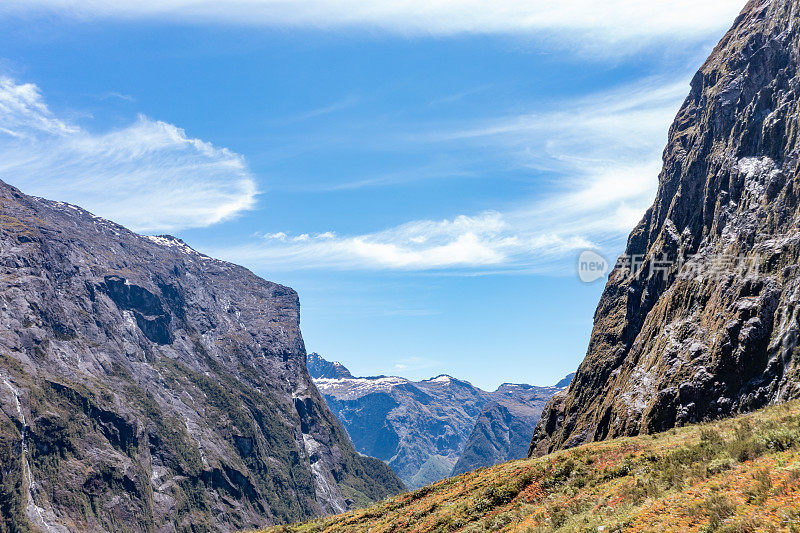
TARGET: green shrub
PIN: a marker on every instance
(718, 508)
(711, 437)
(745, 446)
(782, 439)
(621, 470)
(561, 473)
(641, 490)
(719, 465)
(558, 516)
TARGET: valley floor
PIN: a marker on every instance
(736, 475)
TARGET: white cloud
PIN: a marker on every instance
(149, 176)
(461, 242)
(415, 364)
(334, 107)
(608, 147)
(23, 114)
(603, 153)
(489, 239)
(632, 22)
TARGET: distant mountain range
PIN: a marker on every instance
(428, 430)
(503, 429)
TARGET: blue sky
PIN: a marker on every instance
(424, 174)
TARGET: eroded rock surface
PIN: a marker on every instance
(716, 334)
(147, 387)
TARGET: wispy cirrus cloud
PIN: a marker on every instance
(416, 364)
(150, 175)
(601, 155)
(625, 23)
(603, 151)
(333, 107)
(116, 95)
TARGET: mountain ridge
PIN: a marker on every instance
(146, 384)
(425, 429)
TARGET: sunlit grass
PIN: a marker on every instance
(734, 475)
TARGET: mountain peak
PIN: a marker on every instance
(170, 241)
(320, 368)
(564, 383)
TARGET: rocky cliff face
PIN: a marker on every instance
(147, 387)
(706, 325)
(421, 428)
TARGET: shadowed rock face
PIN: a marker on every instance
(147, 387)
(711, 337)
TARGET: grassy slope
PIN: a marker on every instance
(741, 474)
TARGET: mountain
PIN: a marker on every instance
(320, 368)
(733, 475)
(566, 381)
(706, 324)
(420, 428)
(502, 431)
(147, 387)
